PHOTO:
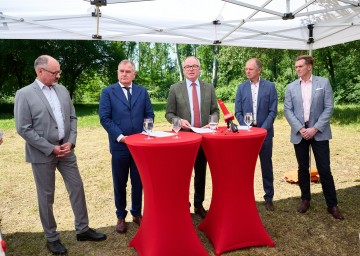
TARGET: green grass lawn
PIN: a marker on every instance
(313, 233)
(88, 115)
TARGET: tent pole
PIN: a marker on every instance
(287, 6)
(311, 37)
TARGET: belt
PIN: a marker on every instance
(60, 142)
(306, 124)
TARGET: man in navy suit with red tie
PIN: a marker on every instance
(122, 109)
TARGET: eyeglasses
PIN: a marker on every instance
(54, 73)
(191, 67)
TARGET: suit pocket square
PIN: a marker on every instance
(319, 89)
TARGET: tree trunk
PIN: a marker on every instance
(215, 66)
(179, 62)
(330, 68)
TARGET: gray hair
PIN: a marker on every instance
(127, 62)
(258, 63)
(191, 57)
(41, 61)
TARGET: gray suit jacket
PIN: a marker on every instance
(35, 121)
(178, 102)
(321, 109)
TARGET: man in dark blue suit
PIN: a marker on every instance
(123, 107)
(259, 97)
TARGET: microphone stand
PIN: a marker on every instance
(231, 127)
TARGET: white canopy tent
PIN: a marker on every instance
(284, 24)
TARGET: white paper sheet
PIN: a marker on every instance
(201, 130)
(160, 134)
(243, 127)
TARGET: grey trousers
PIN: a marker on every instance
(44, 175)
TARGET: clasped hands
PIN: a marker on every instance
(308, 133)
(62, 150)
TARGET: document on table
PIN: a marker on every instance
(159, 134)
(201, 130)
(243, 127)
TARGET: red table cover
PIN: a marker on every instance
(233, 221)
(165, 166)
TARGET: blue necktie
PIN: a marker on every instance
(128, 94)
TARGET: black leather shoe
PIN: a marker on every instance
(335, 212)
(56, 247)
(304, 206)
(91, 235)
(200, 211)
(269, 206)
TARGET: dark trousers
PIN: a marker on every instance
(267, 169)
(321, 151)
(199, 178)
(122, 162)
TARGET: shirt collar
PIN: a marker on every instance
(122, 86)
(41, 85)
(257, 83)
(310, 80)
(189, 83)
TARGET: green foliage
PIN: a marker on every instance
(81, 62)
(90, 65)
(156, 71)
(90, 91)
(350, 92)
(280, 86)
(227, 93)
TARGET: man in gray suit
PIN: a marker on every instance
(308, 107)
(259, 97)
(45, 118)
(183, 102)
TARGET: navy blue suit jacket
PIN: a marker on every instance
(266, 108)
(118, 117)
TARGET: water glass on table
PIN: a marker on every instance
(148, 126)
(248, 119)
(176, 126)
(213, 122)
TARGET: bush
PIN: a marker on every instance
(227, 93)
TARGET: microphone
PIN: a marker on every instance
(228, 117)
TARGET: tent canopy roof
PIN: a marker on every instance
(284, 24)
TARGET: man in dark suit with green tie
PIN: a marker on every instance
(193, 101)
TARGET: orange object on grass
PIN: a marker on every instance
(292, 176)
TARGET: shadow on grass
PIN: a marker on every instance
(313, 233)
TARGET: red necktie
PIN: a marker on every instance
(197, 122)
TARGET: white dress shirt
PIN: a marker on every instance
(255, 94)
(189, 89)
(54, 102)
(125, 92)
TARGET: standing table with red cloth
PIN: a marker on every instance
(165, 166)
(233, 221)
